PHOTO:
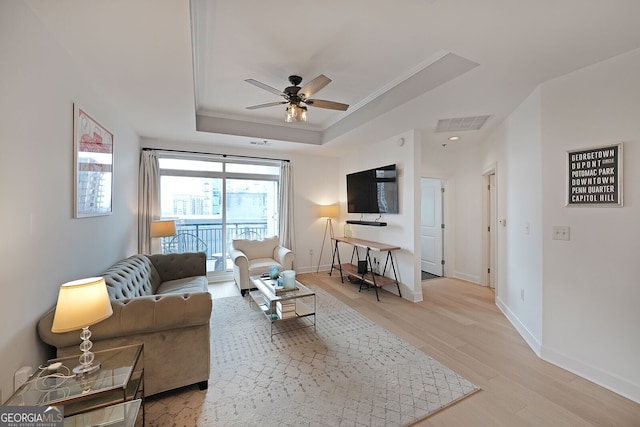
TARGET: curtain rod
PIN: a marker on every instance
(213, 154)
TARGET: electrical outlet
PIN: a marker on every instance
(522, 294)
(561, 232)
(311, 252)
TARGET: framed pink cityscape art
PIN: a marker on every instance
(93, 162)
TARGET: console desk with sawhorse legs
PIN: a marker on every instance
(370, 277)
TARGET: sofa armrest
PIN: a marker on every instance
(240, 269)
(239, 259)
(284, 256)
(138, 315)
(179, 266)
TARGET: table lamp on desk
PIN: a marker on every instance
(82, 303)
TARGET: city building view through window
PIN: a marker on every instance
(216, 201)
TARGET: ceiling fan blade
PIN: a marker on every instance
(269, 104)
(265, 87)
(313, 86)
(331, 105)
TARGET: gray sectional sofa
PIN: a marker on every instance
(161, 301)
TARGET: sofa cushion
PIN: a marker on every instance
(256, 248)
(131, 277)
(179, 265)
(184, 285)
(261, 265)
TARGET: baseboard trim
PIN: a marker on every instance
(467, 277)
(591, 373)
(605, 379)
(529, 338)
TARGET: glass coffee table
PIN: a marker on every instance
(283, 305)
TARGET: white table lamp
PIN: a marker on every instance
(82, 303)
(162, 228)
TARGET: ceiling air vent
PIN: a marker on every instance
(459, 124)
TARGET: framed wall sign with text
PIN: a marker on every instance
(594, 176)
(93, 159)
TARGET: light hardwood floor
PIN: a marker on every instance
(459, 324)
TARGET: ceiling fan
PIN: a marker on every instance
(295, 95)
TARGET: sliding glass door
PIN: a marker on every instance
(251, 208)
(216, 200)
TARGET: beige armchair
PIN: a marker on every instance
(252, 257)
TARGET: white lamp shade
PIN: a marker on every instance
(81, 303)
(328, 211)
(163, 228)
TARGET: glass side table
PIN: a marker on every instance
(119, 379)
(120, 415)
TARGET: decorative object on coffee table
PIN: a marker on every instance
(289, 279)
(274, 272)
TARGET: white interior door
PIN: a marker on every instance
(492, 231)
(431, 226)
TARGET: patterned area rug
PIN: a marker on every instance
(348, 372)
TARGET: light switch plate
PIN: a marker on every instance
(561, 232)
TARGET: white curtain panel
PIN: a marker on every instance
(286, 224)
(148, 198)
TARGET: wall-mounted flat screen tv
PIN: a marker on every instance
(373, 191)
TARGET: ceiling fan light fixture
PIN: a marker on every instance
(295, 95)
(296, 112)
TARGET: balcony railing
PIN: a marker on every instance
(211, 234)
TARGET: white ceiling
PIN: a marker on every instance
(410, 62)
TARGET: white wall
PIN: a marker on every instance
(316, 182)
(461, 167)
(439, 162)
(468, 215)
(591, 283)
(401, 227)
(42, 245)
(515, 148)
